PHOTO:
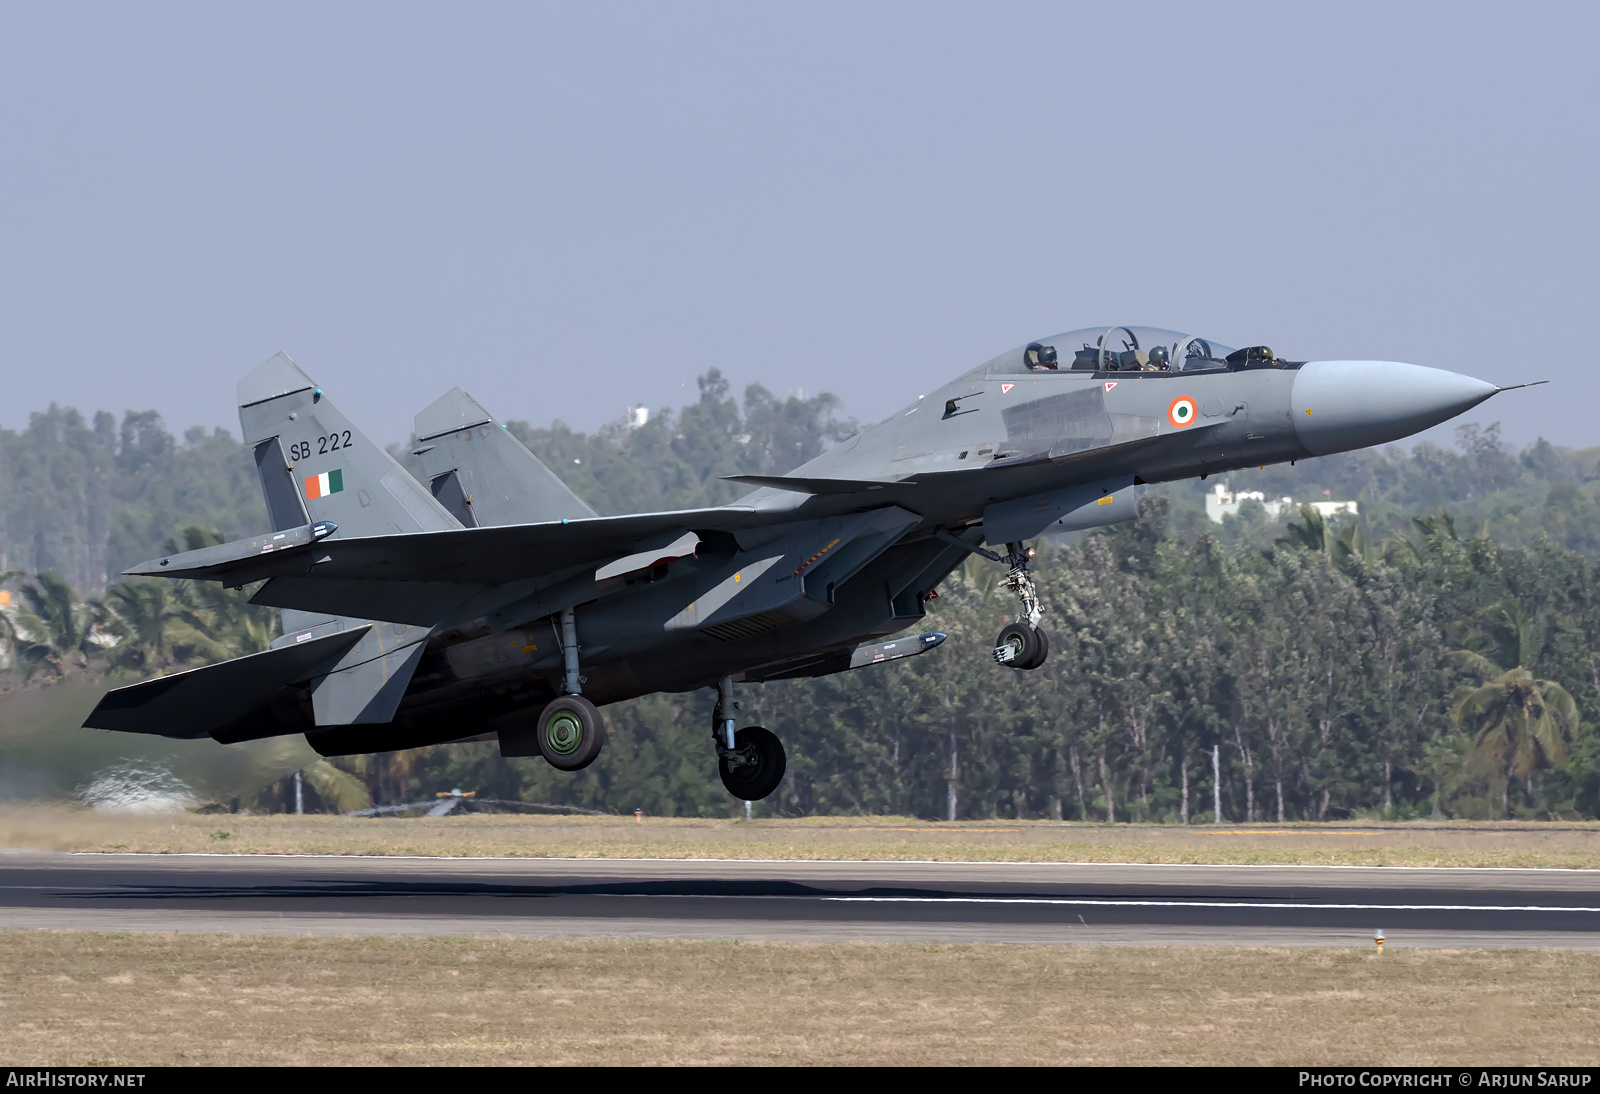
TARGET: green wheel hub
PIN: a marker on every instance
(564, 733)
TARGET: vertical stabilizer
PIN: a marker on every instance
(482, 474)
(335, 472)
(315, 465)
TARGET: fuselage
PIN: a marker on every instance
(1056, 435)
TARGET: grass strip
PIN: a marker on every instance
(1572, 846)
(129, 1000)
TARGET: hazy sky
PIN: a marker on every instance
(569, 209)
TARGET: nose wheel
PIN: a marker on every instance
(1023, 644)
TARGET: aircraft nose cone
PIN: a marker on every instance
(1343, 405)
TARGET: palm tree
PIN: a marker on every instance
(53, 625)
(1521, 722)
(141, 605)
(1310, 536)
(222, 622)
(8, 623)
(1436, 535)
(177, 622)
(1349, 548)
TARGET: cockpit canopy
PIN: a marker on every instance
(1137, 349)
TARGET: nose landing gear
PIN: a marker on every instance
(1022, 645)
(750, 760)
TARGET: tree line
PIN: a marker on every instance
(1428, 676)
(1408, 663)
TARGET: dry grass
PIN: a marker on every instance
(130, 1000)
(1507, 844)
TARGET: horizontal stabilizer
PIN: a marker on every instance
(419, 603)
(243, 550)
(192, 704)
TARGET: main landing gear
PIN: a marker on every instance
(1022, 645)
(750, 760)
(571, 732)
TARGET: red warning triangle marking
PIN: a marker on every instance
(1006, 387)
(1110, 384)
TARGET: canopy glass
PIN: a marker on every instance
(1126, 349)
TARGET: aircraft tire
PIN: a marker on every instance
(1044, 648)
(749, 782)
(571, 733)
(1029, 645)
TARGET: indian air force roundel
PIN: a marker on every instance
(1182, 411)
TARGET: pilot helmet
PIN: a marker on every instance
(1159, 358)
(1038, 355)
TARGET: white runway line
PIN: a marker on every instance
(1087, 902)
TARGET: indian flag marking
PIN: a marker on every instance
(1181, 412)
(320, 486)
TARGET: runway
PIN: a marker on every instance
(803, 900)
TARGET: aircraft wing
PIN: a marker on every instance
(473, 557)
(497, 555)
(420, 578)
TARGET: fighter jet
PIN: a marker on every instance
(492, 603)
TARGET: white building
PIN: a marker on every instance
(1223, 502)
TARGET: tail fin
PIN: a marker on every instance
(482, 474)
(315, 465)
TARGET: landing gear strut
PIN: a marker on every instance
(750, 760)
(1022, 645)
(571, 732)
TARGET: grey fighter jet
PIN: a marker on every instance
(493, 603)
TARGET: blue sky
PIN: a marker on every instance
(570, 209)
